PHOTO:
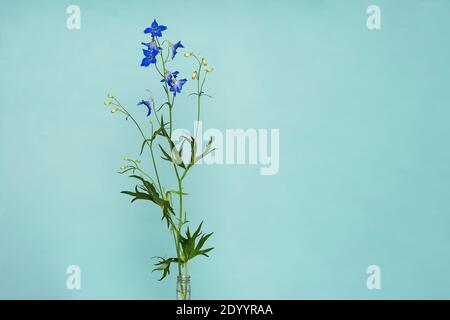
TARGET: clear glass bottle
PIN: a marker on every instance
(184, 287)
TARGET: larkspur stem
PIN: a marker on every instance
(180, 188)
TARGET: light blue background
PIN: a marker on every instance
(364, 159)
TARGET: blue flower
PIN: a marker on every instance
(175, 47)
(149, 57)
(175, 84)
(174, 75)
(155, 29)
(147, 104)
(150, 46)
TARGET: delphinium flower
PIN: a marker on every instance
(155, 29)
(175, 84)
(149, 57)
(168, 73)
(175, 48)
(150, 46)
(147, 104)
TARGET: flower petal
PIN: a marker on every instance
(154, 52)
(147, 104)
(175, 47)
(145, 62)
(147, 53)
(150, 46)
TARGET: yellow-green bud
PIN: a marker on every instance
(163, 266)
(209, 69)
(110, 96)
(107, 103)
(114, 110)
(138, 161)
(204, 62)
(194, 75)
(188, 54)
(125, 158)
(122, 168)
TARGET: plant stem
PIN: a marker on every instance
(180, 187)
(146, 141)
(156, 170)
(198, 98)
(175, 237)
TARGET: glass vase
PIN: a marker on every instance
(183, 287)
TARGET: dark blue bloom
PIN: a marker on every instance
(147, 104)
(150, 46)
(149, 57)
(175, 47)
(155, 29)
(174, 75)
(175, 84)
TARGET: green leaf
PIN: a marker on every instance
(149, 192)
(143, 145)
(166, 155)
(191, 247)
(208, 149)
(137, 195)
(161, 131)
(204, 252)
(198, 249)
(163, 265)
(178, 161)
(193, 144)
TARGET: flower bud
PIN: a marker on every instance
(209, 69)
(138, 161)
(122, 168)
(204, 62)
(114, 110)
(125, 158)
(107, 103)
(110, 96)
(188, 54)
(194, 75)
(163, 266)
